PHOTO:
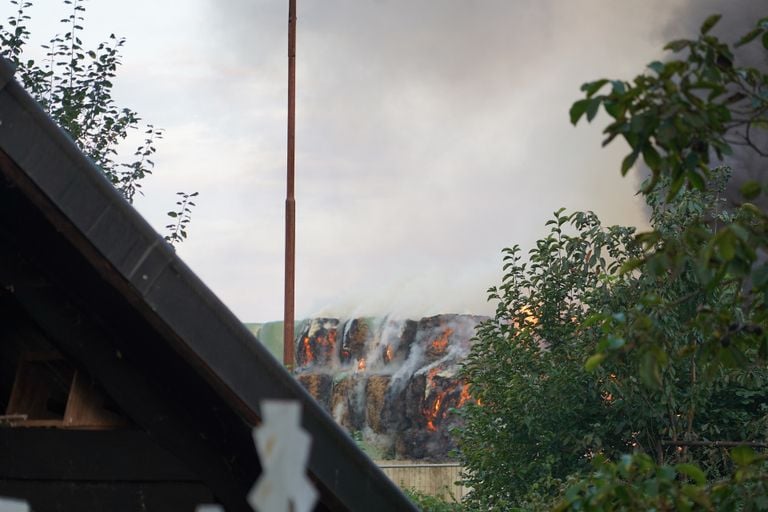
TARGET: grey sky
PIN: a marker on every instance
(431, 134)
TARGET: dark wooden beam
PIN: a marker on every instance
(48, 496)
(90, 455)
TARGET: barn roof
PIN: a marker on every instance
(115, 298)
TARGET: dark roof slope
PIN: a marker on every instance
(117, 300)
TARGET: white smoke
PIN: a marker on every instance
(431, 134)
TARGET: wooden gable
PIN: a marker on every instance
(125, 384)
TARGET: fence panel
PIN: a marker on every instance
(433, 479)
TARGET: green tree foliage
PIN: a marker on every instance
(686, 127)
(687, 111)
(74, 86)
(622, 367)
(635, 483)
(428, 503)
(539, 412)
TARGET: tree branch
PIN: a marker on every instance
(753, 444)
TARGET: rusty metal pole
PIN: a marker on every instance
(290, 202)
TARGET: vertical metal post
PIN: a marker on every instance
(290, 202)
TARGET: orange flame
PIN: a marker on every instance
(317, 346)
(528, 320)
(361, 364)
(434, 412)
(440, 343)
(443, 400)
(465, 396)
(388, 353)
(307, 350)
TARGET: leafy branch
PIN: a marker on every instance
(686, 110)
(177, 231)
(74, 86)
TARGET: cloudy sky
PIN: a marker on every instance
(430, 135)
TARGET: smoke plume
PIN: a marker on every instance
(431, 134)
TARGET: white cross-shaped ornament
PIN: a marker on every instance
(283, 448)
(12, 505)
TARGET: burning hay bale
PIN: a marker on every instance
(393, 381)
(415, 444)
(446, 393)
(317, 343)
(354, 345)
(318, 385)
(413, 403)
(348, 402)
(399, 338)
(376, 388)
(437, 347)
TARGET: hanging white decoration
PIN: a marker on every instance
(283, 448)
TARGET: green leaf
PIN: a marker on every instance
(651, 157)
(743, 455)
(628, 162)
(578, 109)
(750, 190)
(592, 107)
(615, 342)
(692, 471)
(593, 362)
(760, 276)
(741, 233)
(630, 265)
(675, 187)
(696, 180)
(725, 245)
(749, 37)
(649, 184)
(592, 87)
(617, 109)
(678, 45)
(650, 372)
(709, 23)
(657, 66)
(665, 474)
(609, 138)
